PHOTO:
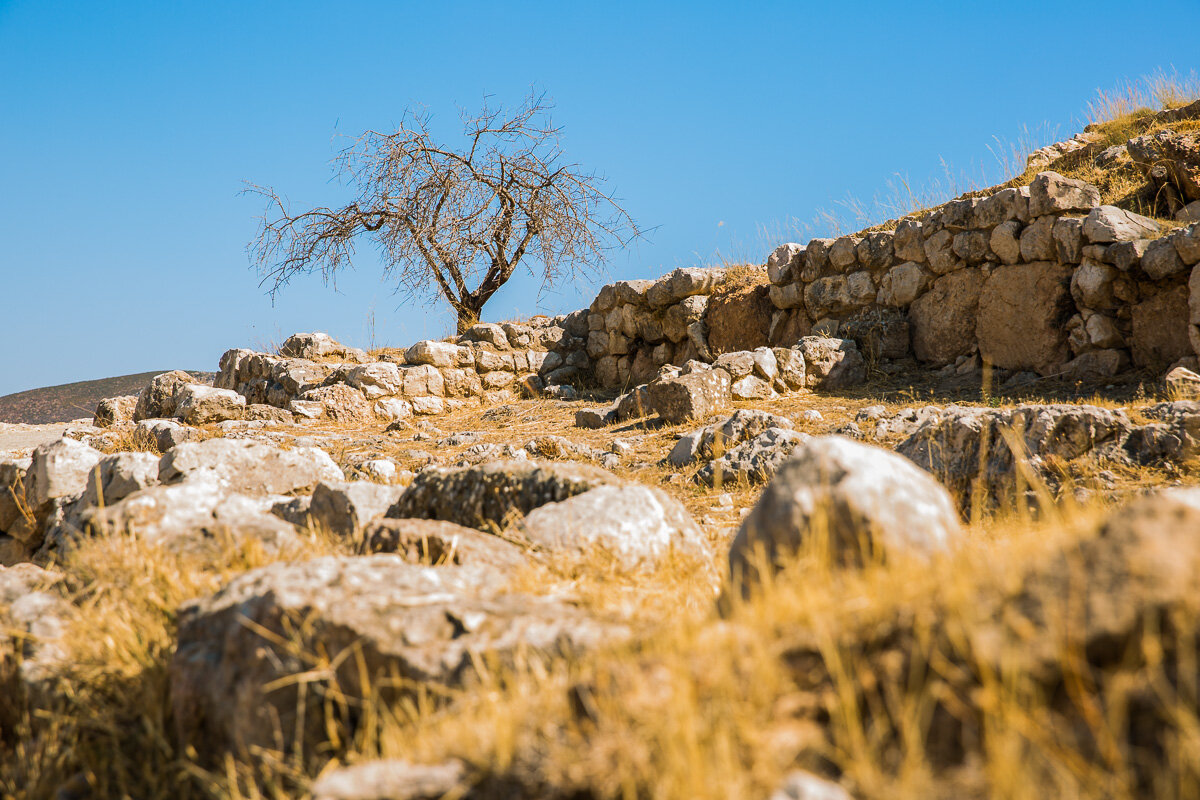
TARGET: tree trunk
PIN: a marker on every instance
(467, 316)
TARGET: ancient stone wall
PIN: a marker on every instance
(1038, 278)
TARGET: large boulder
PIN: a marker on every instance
(197, 404)
(490, 496)
(692, 396)
(637, 526)
(969, 450)
(387, 627)
(739, 319)
(682, 283)
(341, 403)
(713, 440)
(942, 321)
(1160, 329)
(158, 399)
(1051, 193)
(114, 410)
(848, 500)
(1023, 311)
(344, 507)
(318, 345)
(753, 461)
(192, 517)
(250, 467)
(831, 363)
(1111, 224)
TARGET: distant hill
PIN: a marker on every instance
(74, 400)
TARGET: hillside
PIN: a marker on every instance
(906, 513)
(72, 400)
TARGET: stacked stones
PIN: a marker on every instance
(635, 327)
(1037, 278)
(489, 362)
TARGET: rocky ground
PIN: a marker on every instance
(829, 528)
(500, 602)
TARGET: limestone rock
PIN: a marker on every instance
(197, 404)
(311, 346)
(114, 410)
(119, 475)
(683, 282)
(1023, 310)
(848, 496)
(693, 396)
(165, 434)
(1112, 224)
(1182, 382)
(942, 321)
(1005, 241)
(831, 363)
(739, 320)
(753, 461)
(342, 403)
(158, 399)
(379, 379)
(344, 507)
(637, 526)
(422, 625)
(713, 440)
(33, 622)
(1051, 193)
(1161, 259)
(57, 471)
(489, 496)
(249, 467)
(1160, 329)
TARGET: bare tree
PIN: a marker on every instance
(458, 221)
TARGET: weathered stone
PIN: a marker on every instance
(158, 399)
(1127, 256)
(1161, 259)
(875, 251)
(380, 379)
(192, 516)
(683, 282)
(33, 652)
(164, 434)
(816, 259)
(1037, 240)
(1096, 365)
(971, 246)
(431, 406)
(831, 363)
(343, 508)
(489, 496)
(879, 332)
(692, 396)
(1160, 329)
(425, 380)
(1112, 224)
(312, 346)
(949, 446)
(1187, 244)
(714, 440)
(1183, 383)
(395, 780)
(410, 627)
(342, 403)
(939, 253)
(249, 467)
(843, 253)
(1023, 310)
(790, 363)
(1092, 285)
(751, 387)
(679, 316)
(260, 412)
(942, 321)
(1005, 241)
(848, 500)
(637, 526)
(753, 461)
(1068, 240)
(839, 294)
(57, 471)
(784, 263)
(114, 410)
(119, 475)
(738, 320)
(1175, 154)
(1051, 193)
(902, 285)
(1005, 205)
(738, 364)
(488, 333)
(197, 404)
(907, 242)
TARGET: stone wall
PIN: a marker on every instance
(1038, 278)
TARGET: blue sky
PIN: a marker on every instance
(127, 130)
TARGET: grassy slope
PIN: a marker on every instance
(72, 400)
